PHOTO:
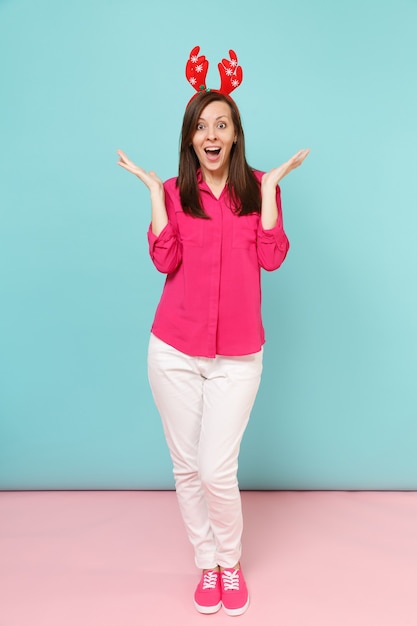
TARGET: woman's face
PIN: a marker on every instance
(214, 138)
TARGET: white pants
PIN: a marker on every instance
(205, 406)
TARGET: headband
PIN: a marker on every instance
(196, 71)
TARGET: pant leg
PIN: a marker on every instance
(177, 387)
(229, 394)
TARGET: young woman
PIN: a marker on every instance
(213, 227)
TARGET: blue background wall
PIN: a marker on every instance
(337, 407)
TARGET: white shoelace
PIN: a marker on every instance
(231, 581)
(210, 580)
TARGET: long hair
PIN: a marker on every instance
(243, 187)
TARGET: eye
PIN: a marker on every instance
(221, 125)
(200, 126)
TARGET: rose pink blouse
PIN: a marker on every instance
(211, 301)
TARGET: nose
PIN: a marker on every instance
(211, 132)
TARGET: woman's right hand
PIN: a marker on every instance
(155, 186)
(151, 180)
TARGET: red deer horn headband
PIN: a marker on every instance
(196, 71)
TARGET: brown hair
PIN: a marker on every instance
(243, 186)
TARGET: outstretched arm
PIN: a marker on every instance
(156, 188)
(270, 180)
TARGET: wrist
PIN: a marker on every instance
(268, 188)
(157, 193)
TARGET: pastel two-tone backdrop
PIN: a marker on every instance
(337, 407)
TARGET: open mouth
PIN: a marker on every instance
(212, 151)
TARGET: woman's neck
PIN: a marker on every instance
(215, 183)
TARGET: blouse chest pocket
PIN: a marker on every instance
(245, 230)
(190, 229)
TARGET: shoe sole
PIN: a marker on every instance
(208, 610)
(238, 611)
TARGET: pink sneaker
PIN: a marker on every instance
(235, 597)
(208, 595)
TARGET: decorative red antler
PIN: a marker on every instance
(196, 70)
(231, 74)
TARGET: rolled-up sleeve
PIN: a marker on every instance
(273, 243)
(165, 249)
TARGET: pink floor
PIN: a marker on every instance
(122, 559)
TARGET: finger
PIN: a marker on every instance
(298, 158)
(123, 158)
(297, 155)
(301, 154)
(126, 166)
(121, 154)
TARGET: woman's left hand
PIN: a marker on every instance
(273, 177)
